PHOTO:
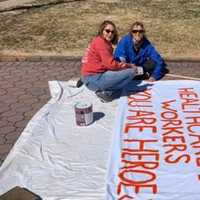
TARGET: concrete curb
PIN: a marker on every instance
(43, 58)
(182, 60)
(36, 58)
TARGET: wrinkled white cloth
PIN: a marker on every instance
(57, 159)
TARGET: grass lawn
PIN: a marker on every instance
(66, 28)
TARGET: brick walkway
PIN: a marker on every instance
(24, 89)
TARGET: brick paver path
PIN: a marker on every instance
(24, 89)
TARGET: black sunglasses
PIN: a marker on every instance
(109, 31)
(137, 31)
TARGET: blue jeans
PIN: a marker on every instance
(110, 81)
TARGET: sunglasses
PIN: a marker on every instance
(137, 31)
(108, 31)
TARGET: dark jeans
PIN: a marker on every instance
(148, 68)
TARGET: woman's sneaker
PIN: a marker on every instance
(79, 83)
(103, 96)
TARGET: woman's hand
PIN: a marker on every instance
(151, 79)
(123, 65)
(133, 65)
(128, 65)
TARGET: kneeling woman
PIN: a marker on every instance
(100, 72)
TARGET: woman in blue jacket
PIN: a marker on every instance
(137, 49)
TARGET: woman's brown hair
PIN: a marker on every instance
(102, 27)
(137, 23)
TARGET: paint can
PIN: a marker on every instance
(83, 113)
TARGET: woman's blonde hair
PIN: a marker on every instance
(137, 23)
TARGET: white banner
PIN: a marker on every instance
(156, 145)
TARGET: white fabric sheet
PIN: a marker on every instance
(156, 148)
(58, 160)
(55, 158)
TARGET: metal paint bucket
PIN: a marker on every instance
(83, 113)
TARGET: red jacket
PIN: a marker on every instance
(98, 58)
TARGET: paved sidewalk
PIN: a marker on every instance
(6, 5)
(24, 90)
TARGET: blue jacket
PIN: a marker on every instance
(147, 51)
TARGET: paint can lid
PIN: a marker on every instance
(83, 104)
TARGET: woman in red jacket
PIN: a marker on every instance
(100, 72)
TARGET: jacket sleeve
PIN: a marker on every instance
(159, 62)
(105, 52)
(120, 51)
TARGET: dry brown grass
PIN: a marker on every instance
(65, 29)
